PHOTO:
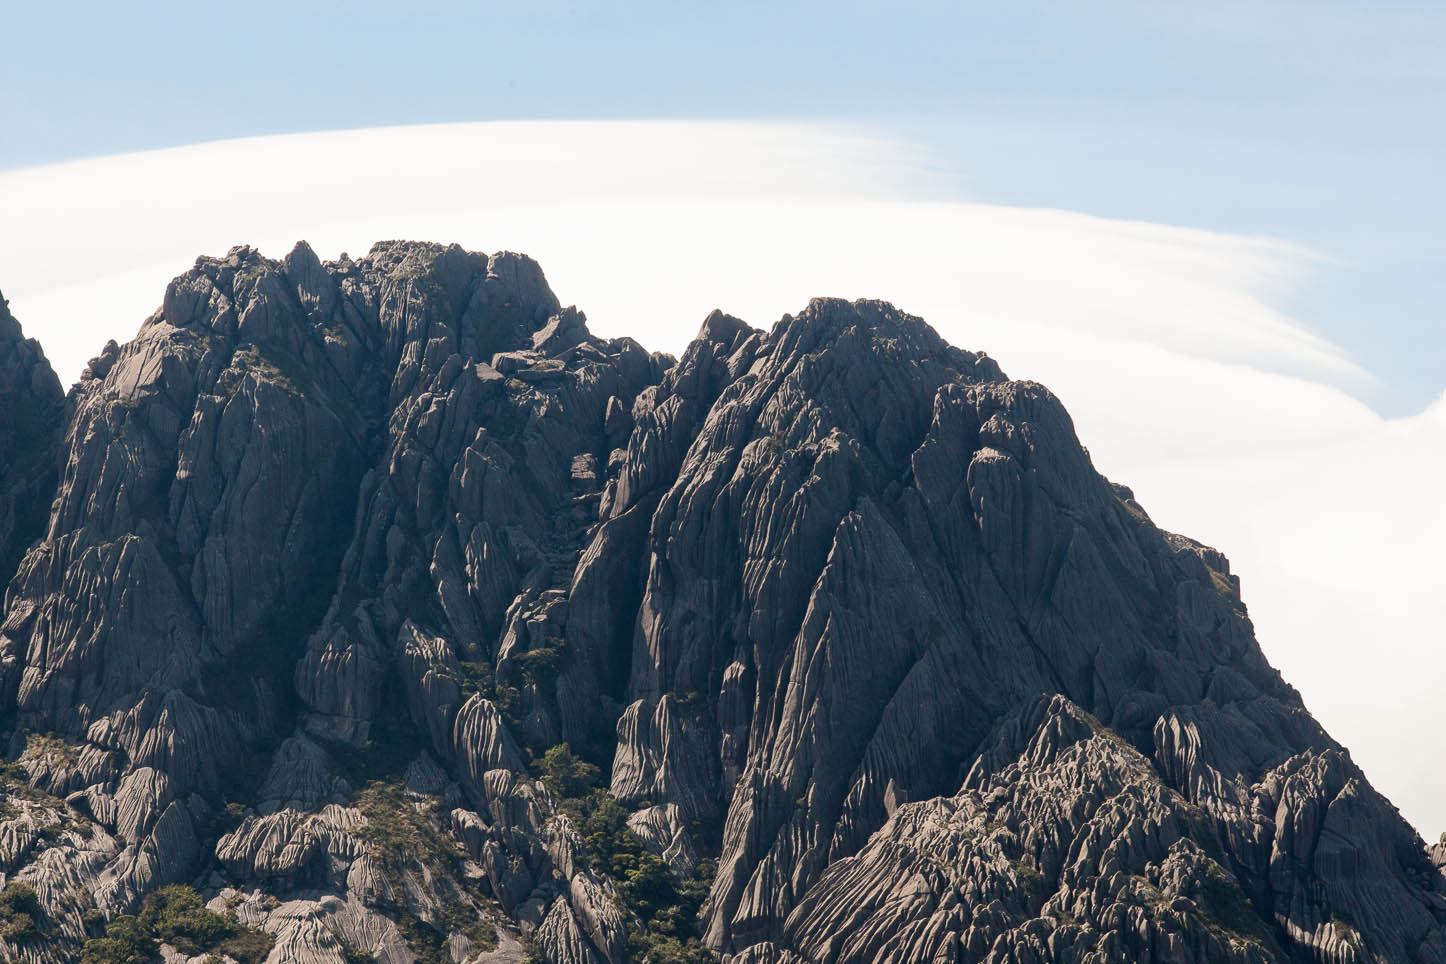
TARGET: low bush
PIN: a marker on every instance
(126, 941)
(663, 903)
(564, 773)
(20, 912)
(177, 916)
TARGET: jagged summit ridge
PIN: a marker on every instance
(855, 656)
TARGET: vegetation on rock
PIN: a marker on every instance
(176, 915)
(664, 905)
(404, 834)
(21, 915)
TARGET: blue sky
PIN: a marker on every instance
(1318, 122)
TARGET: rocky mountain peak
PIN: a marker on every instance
(393, 612)
(33, 406)
(27, 373)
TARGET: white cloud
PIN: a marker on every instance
(1233, 422)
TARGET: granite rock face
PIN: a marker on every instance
(33, 408)
(835, 613)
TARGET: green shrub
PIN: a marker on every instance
(126, 941)
(611, 847)
(353, 954)
(1030, 880)
(508, 700)
(539, 666)
(669, 950)
(176, 915)
(398, 833)
(649, 887)
(18, 897)
(20, 912)
(665, 903)
(564, 773)
(401, 835)
(459, 916)
(19, 927)
(247, 945)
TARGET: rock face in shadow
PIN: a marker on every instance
(855, 656)
(32, 417)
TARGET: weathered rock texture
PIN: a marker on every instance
(337, 550)
(32, 416)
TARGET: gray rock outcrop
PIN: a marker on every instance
(854, 655)
(32, 418)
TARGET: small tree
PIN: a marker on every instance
(176, 915)
(566, 774)
(19, 911)
(125, 942)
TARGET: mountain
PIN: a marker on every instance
(392, 614)
(34, 410)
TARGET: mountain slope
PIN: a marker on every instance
(871, 663)
(34, 408)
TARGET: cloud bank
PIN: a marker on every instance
(1232, 422)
